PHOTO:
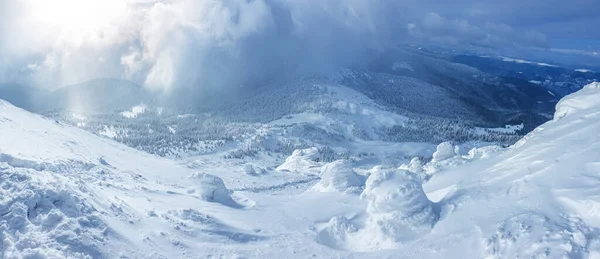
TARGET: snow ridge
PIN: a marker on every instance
(584, 100)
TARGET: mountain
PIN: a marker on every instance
(20, 95)
(410, 95)
(328, 111)
(74, 194)
(276, 119)
(561, 80)
(492, 98)
(97, 95)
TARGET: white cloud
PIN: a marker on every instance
(167, 45)
(180, 39)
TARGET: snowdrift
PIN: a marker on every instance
(398, 208)
(65, 193)
(536, 199)
(444, 151)
(338, 176)
(303, 161)
(211, 188)
(584, 100)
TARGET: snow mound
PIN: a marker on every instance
(398, 208)
(445, 150)
(585, 99)
(338, 176)
(446, 156)
(211, 188)
(43, 216)
(304, 161)
(336, 233)
(435, 166)
(482, 152)
(415, 166)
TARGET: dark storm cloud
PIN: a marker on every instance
(554, 18)
(173, 44)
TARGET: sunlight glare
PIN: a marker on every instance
(77, 19)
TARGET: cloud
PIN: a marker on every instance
(195, 42)
(184, 43)
(170, 45)
(551, 17)
(48, 44)
(434, 27)
(204, 44)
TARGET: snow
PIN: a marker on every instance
(397, 208)
(66, 193)
(362, 108)
(303, 161)
(402, 65)
(508, 129)
(521, 61)
(338, 176)
(172, 129)
(183, 116)
(80, 119)
(108, 131)
(535, 82)
(211, 188)
(135, 111)
(78, 116)
(584, 100)
(313, 118)
(444, 151)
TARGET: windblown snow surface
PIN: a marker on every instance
(65, 193)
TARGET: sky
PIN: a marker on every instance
(177, 44)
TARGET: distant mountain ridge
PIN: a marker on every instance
(97, 95)
(20, 95)
(411, 95)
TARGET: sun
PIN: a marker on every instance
(77, 19)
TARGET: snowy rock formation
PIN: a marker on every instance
(415, 166)
(336, 232)
(444, 151)
(338, 176)
(303, 161)
(397, 206)
(211, 188)
(445, 156)
(482, 152)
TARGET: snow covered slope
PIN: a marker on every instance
(537, 199)
(67, 193)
